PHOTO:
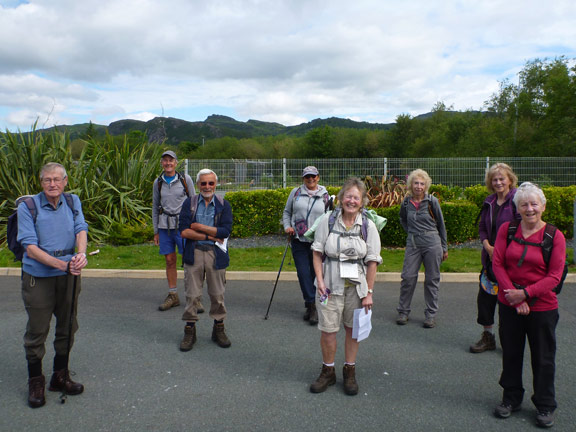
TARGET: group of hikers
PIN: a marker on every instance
(336, 252)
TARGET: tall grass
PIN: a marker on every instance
(113, 176)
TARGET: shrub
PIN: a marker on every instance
(446, 193)
(125, 235)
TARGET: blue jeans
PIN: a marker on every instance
(302, 253)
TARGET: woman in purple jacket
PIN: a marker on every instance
(497, 209)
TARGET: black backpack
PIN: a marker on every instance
(12, 226)
(546, 246)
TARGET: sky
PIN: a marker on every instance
(71, 62)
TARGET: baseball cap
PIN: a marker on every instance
(169, 153)
(310, 170)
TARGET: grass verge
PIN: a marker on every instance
(146, 257)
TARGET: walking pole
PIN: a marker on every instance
(63, 395)
(277, 277)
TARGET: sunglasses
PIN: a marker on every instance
(207, 183)
(308, 176)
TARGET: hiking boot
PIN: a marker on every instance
(189, 338)
(402, 319)
(61, 382)
(486, 343)
(36, 388)
(170, 302)
(308, 307)
(504, 410)
(327, 378)
(219, 335)
(429, 323)
(313, 315)
(350, 384)
(545, 418)
(198, 305)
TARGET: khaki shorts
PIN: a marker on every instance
(339, 309)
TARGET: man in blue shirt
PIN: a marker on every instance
(55, 242)
(205, 224)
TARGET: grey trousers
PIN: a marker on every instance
(44, 297)
(194, 275)
(414, 256)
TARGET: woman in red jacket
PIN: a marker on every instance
(527, 305)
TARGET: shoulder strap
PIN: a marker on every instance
(548, 242)
(31, 204)
(512, 228)
(363, 230)
(183, 181)
(431, 202)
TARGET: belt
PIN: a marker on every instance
(204, 247)
(61, 252)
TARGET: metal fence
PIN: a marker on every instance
(237, 175)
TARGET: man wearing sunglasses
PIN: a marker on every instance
(170, 190)
(205, 225)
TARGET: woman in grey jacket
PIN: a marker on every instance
(305, 204)
(421, 217)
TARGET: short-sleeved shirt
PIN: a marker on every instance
(333, 245)
(55, 230)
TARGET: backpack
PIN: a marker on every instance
(334, 215)
(159, 182)
(328, 201)
(12, 226)
(546, 246)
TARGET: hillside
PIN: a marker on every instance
(175, 130)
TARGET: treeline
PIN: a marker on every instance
(531, 118)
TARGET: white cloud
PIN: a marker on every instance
(286, 61)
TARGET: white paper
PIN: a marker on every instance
(348, 270)
(362, 324)
(223, 245)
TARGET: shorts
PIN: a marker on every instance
(339, 309)
(169, 239)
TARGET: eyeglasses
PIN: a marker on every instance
(309, 176)
(207, 183)
(56, 180)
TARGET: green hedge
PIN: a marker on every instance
(559, 205)
(259, 213)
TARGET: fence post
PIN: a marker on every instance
(574, 233)
(386, 168)
(284, 173)
(487, 163)
(186, 166)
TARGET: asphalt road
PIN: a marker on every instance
(136, 379)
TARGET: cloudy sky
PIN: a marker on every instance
(74, 61)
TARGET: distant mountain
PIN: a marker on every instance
(174, 130)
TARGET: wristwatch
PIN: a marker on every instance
(370, 291)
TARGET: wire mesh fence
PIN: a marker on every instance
(235, 175)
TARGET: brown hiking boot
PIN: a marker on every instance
(327, 378)
(313, 315)
(36, 388)
(189, 338)
(350, 384)
(170, 302)
(219, 335)
(486, 343)
(198, 305)
(61, 382)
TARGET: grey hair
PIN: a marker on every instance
(52, 166)
(358, 184)
(527, 190)
(205, 171)
(418, 173)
